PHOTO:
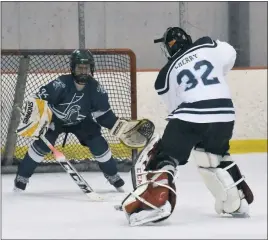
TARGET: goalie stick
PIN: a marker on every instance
(68, 167)
(138, 173)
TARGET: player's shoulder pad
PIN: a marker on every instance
(160, 82)
(96, 86)
(92, 81)
(225, 45)
(203, 40)
(161, 77)
(61, 82)
(65, 78)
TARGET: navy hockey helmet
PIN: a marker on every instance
(174, 40)
(82, 65)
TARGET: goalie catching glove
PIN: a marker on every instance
(35, 118)
(133, 133)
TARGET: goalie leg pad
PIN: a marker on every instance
(151, 192)
(152, 201)
(154, 197)
(224, 180)
(219, 182)
(148, 216)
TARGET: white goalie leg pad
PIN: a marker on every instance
(222, 186)
(220, 183)
(148, 216)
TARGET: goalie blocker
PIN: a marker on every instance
(36, 117)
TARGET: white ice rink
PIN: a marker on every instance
(54, 207)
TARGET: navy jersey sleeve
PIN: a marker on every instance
(102, 111)
(52, 91)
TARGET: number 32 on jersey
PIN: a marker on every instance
(190, 78)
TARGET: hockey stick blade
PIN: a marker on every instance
(68, 167)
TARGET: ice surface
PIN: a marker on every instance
(54, 207)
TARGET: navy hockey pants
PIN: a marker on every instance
(87, 132)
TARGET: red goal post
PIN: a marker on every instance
(24, 71)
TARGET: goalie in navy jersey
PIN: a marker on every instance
(201, 118)
(79, 105)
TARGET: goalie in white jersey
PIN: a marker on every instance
(201, 118)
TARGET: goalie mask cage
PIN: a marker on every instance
(23, 72)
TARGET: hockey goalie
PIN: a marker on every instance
(200, 121)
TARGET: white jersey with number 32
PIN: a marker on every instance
(193, 83)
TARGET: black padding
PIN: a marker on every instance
(236, 175)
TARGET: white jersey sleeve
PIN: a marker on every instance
(193, 85)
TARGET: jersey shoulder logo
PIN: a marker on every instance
(58, 84)
(101, 89)
(42, 94)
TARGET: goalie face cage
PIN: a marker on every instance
(25, 71)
